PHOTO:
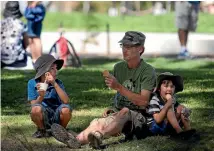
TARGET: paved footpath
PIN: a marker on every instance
(157, 44)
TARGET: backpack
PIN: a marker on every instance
(64, 49)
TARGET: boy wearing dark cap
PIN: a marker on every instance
(134, 80)
(167, 114)
(51, 105)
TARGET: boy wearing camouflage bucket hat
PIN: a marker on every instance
(134, 80)
(49, 105)
(168, 116)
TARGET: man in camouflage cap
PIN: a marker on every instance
(133, 38)
(134, 80)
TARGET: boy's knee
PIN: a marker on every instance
(36, 110)
(65, 111)
(179, 109)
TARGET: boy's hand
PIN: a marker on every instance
(186, 112)
(169, 100)
(168, 97)
(49, 78)
(41, 92)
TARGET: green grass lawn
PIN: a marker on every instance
(89, 96)
(76, 21)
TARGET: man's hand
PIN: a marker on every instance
(107, 112)
(111, 82)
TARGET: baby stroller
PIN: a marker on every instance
(64, 49)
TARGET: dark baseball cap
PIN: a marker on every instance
(44, 62)
(133, 38)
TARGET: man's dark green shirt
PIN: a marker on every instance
(137, 79)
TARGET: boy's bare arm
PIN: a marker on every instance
(62, 95)
(159, 117)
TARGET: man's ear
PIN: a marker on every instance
(142, 48)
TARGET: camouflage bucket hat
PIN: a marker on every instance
(133, 38)
(176, 79)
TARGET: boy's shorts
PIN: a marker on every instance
(163, 128)
(156, 129)
(50, 115)
(34, 29)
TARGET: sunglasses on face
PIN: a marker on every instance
(128, 46)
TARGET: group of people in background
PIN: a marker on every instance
(144, 105)
(16, 37)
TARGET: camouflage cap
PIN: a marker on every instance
(133, 38)
(176, 79)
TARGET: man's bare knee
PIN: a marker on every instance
(97, 125)
(123, 111)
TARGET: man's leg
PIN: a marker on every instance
(62, 135)
(32, 49)
(117, 124)
(182, 23)
(183, 37)
(113, 128)
(104, 126)
(35, 48)
(34, 32)
(96, 125)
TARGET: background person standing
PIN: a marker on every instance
(186, 20)
(35, 13)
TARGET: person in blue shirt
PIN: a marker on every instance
(35, 14)
(50, 106)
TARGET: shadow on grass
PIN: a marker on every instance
(86, 88)
(17, 136)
